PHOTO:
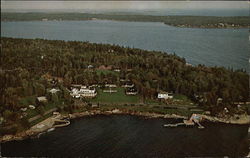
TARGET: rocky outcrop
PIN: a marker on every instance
(36, 129)
(236, 119)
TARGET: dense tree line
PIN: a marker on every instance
(25, 62)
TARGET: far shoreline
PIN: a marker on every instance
(181, 21)
(113, 20)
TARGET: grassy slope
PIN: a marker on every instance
(121, 101)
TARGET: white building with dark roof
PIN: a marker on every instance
(83, 91)
(165, 95)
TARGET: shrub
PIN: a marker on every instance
(41, 110)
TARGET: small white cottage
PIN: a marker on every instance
(165, 95)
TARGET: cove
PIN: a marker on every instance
(133, 136)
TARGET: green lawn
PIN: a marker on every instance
(117, 97)
(51, 105)
(31, 113)
(105, 72)
(28, 100)
(153, 102)
(48, 106)
(181, 97)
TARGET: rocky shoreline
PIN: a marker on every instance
(48, 124)
(124, 112)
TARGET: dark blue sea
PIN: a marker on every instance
(135, 137)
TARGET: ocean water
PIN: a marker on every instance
(244, 11)
(131, 136)
(212, 47)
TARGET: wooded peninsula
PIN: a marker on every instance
(178, 21)
(40, 76)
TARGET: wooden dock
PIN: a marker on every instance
(185, 123)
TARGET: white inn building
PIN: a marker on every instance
(83, 92)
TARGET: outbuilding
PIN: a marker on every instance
(165, 95)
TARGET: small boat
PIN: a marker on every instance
(38, 136)
(174, 125)
(51, 129)
(248, 155)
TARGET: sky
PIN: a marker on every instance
(106, 5)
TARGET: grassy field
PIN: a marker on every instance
(30, 100)
(118, 97)
(109, 101)
(181, 97)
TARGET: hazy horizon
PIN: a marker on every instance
(26, 6)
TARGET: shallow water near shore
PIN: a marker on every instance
(132, 136)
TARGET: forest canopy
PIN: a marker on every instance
(26, 59)
(25, 63)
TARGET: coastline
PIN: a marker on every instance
(212, 26)
(48, 123)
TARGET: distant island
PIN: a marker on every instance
(40, 78)
(177, 21)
